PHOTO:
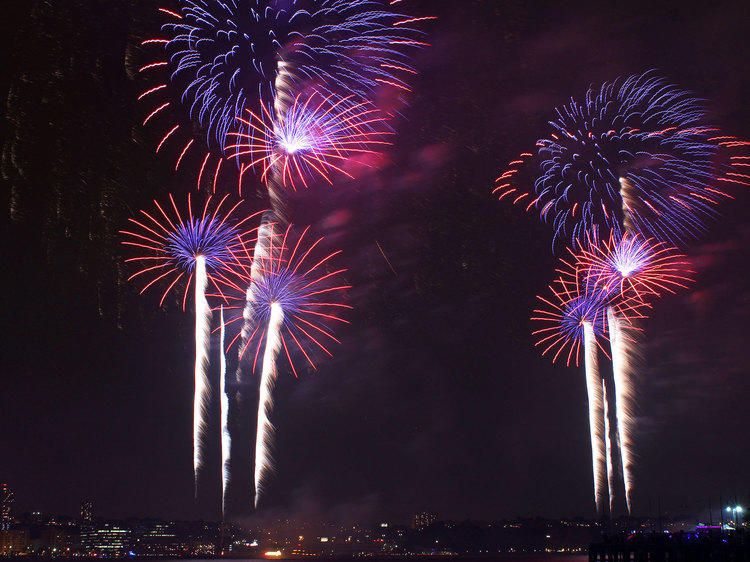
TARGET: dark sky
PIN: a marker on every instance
(436, 398)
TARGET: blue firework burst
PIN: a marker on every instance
(170, 243)
(564, 316)
(224, 55)
(209, 237)
(635, 154)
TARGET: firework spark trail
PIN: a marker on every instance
(260, 254)
(202, 342)
(226, 436)
(174, 247)
(628, 202)
(596, 415)
(621, 347)
(621, 371)
(293, 306)
(609, 449)
(265, 400)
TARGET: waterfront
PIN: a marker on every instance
(488, 558)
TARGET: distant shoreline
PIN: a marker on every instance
(463, 557)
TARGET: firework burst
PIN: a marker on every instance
(311, 138)
(633, 265)
(176, 246)
(172, 244)
(293, 302)
(216, 59)
(579, 301)
(287, 274)
(567, 315)
(634, 155)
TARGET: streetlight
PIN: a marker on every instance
(736, 513)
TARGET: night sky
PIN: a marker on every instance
(436, 398)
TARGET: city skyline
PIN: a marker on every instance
(434, 398)
(87, 534)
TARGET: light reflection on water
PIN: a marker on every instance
(499, 558)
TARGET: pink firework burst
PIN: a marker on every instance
(633, 265)
(313, 138)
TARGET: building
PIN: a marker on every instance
(14, 541)
(54, 540)
(422, 520)
(107, 538)
(158, 538)
(6, 503)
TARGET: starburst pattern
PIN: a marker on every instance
(170, 242)
(635, 154)
(313, 138)
(290, 278)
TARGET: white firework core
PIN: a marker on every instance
(622, 370)
(596, 415)
(200, 397)
(226, 438)
(264, 431)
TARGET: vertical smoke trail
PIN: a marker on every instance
(608, 440)
(264, 428)
(260, 254)
(265, 400)
(200, 398)
(226, 438)
(265, 231)
(282, 101)
(596, 415)
(627, 203)
(621, 367)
